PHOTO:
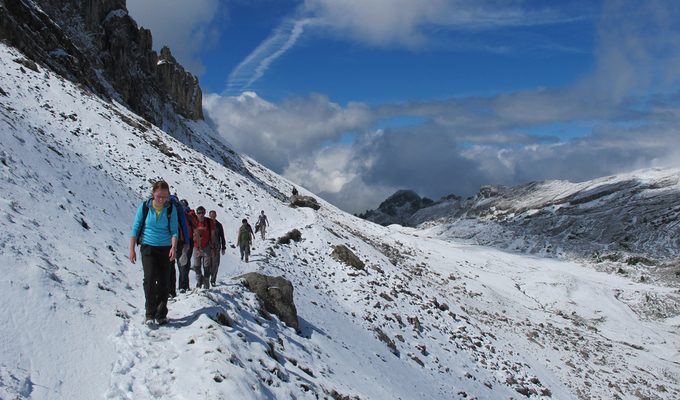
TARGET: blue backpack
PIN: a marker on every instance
(181, 219)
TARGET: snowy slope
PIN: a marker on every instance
(633, 218)
(425, 319)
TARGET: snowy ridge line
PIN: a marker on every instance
(425, 318)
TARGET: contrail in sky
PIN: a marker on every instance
(256, 64)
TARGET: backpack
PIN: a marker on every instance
(244, 234)
(183, 234)
(183, 231)
(209, 227)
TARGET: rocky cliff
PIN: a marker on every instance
(397, 209)
(96, 43)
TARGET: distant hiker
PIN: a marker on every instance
(262, 224)
(218, 245)
(245, 237)
(184, 261)
(295, 192)
(203, 232)
(155, 229)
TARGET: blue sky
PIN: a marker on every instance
(355, 99)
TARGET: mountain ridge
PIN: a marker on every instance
(634, 215)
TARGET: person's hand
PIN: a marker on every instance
(171, 254)
(133, 255)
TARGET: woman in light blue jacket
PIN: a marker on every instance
(155, 230)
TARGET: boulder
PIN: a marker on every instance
(343, 254)
(292, 235)
(275, 294)
(305, 201)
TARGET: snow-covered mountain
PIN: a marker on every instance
(633, 218)
(423, 319)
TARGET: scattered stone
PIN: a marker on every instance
(294, 235)
(382, 336)
(30, 64)
(343, 254)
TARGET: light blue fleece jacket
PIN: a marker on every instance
(156, 232)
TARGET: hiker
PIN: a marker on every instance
(245, 237)
(202, 252)
(295, 192)
(184, 262)
(218, 244)
(182, 244)
(155, 230)
(262, 223)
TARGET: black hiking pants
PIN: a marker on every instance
(157, 266)
(184, 269)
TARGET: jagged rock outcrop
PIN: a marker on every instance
(275, 294)
(397, 209)
(294, 235)
(344, 255)
(181, 85)
(96, 43)
(305, 201)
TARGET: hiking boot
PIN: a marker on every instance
(161, 321)
(213, 283)
(182, 290)
(149, 321)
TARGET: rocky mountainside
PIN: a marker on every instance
(634, 218)
(397, 209)
(96, 44)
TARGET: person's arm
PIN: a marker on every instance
(133, 255)
(220, 234)
(173, 248)
(133, 234)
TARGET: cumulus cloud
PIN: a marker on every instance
(187, 27)
(301, 138)
(278, 133)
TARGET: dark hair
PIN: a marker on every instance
(200, 208)
(184, 202)
(245, 221)
(160, 185)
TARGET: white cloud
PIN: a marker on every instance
(275, 134)
(187, 27)
(410, 23)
